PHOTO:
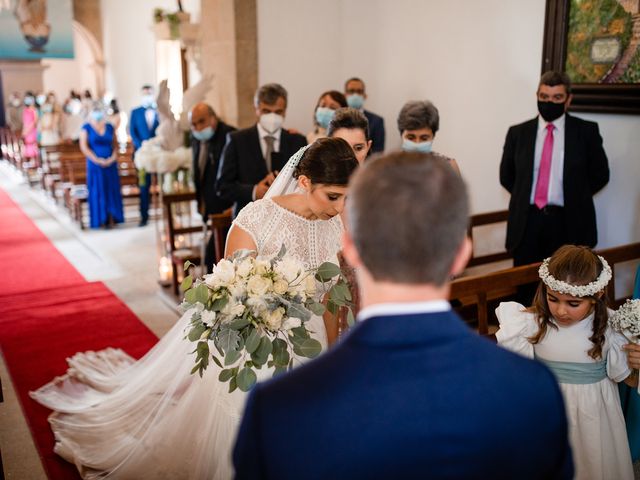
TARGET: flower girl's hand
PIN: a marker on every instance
(633, 355)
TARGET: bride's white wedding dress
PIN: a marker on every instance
(115, 417)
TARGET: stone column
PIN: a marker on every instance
(229, 52)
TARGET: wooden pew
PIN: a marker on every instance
(485, 291)
(180, 253)
(481, 220)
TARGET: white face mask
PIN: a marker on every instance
(271, 122)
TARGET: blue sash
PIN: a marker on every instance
(577, 373)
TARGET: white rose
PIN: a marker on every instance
(291, 322)
(259, 286)
(262, 266)
(280, 286)
(243, 269)
(310, 285)
(208, 316)
(233, 309)
(223, 274)
(288, 268)
(273, 320)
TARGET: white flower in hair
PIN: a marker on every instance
(560, 286)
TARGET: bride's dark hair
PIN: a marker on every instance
(328, 161)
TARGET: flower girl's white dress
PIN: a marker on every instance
(596, 424)
(151, 419)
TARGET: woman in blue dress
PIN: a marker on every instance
(103, 181)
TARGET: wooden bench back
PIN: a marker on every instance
(483, 219)
(481, 287)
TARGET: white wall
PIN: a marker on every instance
(479, 62)
(129, 45)
(63, 75)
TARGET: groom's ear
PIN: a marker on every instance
(349, 251)
(462, 257)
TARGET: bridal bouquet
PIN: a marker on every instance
(251, 312)
(626, 320)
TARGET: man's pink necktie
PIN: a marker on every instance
(544, 173)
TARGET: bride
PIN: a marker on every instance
(119, 418)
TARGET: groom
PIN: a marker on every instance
(411, 391)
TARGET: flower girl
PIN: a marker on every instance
(567, 329)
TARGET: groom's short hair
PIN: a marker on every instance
(407, 214)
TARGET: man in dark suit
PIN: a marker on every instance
(142, 126)
(354, 90)
(254, 156)
(552, 165)
(208, 137)
(411, 391)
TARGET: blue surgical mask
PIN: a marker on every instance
(47, 108)
(28, 101)
(97, 115)
(423, 147)
(324, 116)
(203, 135)
(355, 101)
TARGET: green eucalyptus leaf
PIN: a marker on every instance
(239, 323)
(195, 368)
(219, 303)
(216, 361)
(202, 293)
(196, 332)
(327, 271)
(186, 283)
(225, 375)
(190, 296)
(233, 384)
(332, 307)
(281, 358)
(246, 379)
(300, 332)
(253, 341)
(350, 318)
(279, 370)
(231, 357)
(186, 266)
(316, 308)
(309, 348)
(298, 311)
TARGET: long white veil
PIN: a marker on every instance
(285, 183)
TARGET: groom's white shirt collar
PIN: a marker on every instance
(404, 308)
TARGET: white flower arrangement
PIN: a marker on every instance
(254, 312)
(559, 286)
(626, 320)
(154, 159)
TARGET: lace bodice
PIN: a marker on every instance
(310, 241)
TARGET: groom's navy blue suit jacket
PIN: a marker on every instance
(407, 396)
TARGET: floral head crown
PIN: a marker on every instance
(575, 290)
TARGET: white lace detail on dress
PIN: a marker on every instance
(271, 226)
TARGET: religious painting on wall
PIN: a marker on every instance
(34, 29)
(597, 42)
(603, 43)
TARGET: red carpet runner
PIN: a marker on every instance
(48, 312)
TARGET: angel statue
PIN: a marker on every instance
(166, 151)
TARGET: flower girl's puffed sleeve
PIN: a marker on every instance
(617, 367)
(516, 325)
